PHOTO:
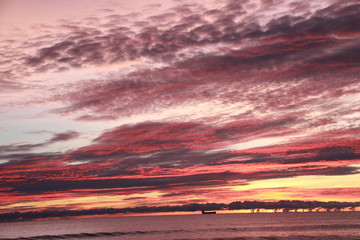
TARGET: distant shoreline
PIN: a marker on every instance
(234, 207)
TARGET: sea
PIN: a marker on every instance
(231, 226)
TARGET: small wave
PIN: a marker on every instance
(293, 228)
(241, 230)
(91, 235)
(292, 237)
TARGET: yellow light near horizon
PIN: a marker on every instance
(307, 182)
(98, 201)
(306, 188)
(274, 195)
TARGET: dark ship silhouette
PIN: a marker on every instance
(207, 212)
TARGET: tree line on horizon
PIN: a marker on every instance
(285, 205)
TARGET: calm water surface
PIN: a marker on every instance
(326, 225)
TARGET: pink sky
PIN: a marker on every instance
(131, 103)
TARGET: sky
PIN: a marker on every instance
(150, 103)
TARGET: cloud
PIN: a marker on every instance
(19, 147)
(204, 51)
(165, 183)
(63, 136)
(24, 147)
(328, 153)
(163, 156)
(190, 31)
(151, 183)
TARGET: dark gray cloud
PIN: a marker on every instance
(326, 154)
(24, 147)
(19, 147)
(58, 137)
(151, 183)
(31, 186)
